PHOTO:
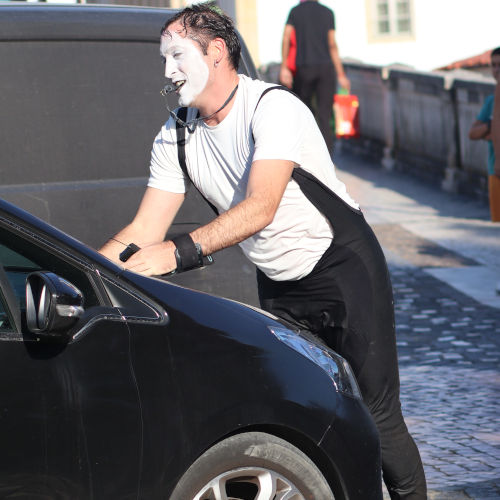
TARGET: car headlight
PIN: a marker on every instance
(337, 368)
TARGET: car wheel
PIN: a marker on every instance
(253, 466)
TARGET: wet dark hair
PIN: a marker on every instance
(203, 23)
(495, 52)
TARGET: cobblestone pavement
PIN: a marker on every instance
(449, 351)
(448, 328)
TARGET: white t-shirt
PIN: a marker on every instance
(218, 159)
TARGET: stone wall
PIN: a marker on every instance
(418, 122)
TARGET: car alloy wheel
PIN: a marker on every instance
(249, 483)
(253, 466)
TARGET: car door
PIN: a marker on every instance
(70, 421)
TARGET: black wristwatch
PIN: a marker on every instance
(188, 254)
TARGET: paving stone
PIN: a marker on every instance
(450, 384)
(449, 356)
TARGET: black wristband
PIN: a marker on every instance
(128, 252)
(187, 254)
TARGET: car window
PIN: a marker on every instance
(20, 256)
(16, 267)
(6, 324)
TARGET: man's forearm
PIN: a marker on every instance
(267, 182)
(150, 224)
(480, 130)
(285, 43)
(129, 234)
(232, 227)
(337, 63)
(286, 77)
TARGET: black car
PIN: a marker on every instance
(118, 386)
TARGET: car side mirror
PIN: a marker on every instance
(53, 305)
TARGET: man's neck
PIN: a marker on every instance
(220, 91)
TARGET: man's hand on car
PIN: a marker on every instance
(153, 260)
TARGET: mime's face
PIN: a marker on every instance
(185, 64)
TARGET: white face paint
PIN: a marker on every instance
(184, 63)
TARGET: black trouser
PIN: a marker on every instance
(319, 80)
(347, 301)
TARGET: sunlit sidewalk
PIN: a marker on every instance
(450, 236)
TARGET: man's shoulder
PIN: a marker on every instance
(273, 99)
(258, 94)
(255, 87)
(323, 12)
(486, 112)
(293, 10)
(324, 7)
(311, 7)
(488, 103)
(310, 13)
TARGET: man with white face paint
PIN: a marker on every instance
(258, 156)
(185, 66)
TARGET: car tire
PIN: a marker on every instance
(244, 466)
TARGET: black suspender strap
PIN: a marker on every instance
(181, 140)
(181, 151)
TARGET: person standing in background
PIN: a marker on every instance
(482, 129)
(317, 61)
(495, 138)
(495, 129)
